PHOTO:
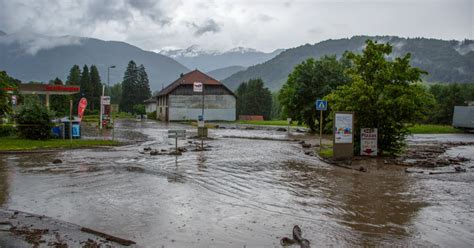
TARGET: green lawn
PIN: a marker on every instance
(17, 144)
(269, 123)
(326, 152)
(433, 129)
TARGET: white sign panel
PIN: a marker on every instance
(105, 100)
(368, 141)
(343, 128)
(197, 87)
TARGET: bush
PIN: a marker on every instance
(6, 131)
(34, 122)
(152, 115)
(139, 109)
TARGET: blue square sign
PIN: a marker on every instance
(321, 105)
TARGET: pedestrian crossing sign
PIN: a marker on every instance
(321, 105)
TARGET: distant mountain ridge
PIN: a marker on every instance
(225, 72)
(2, 33)
(445, 61)
(32, 57)
(196, 57)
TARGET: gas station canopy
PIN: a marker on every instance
(46, 89)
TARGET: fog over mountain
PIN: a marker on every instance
(34, 57)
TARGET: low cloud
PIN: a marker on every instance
(464, 47)
(31, 44)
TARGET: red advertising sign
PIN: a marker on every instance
(81, 107)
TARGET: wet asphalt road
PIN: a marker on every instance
(240, 193)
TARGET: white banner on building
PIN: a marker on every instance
(197, 87)
(343, 128)
(368, 141)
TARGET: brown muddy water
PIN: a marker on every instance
(241, 193)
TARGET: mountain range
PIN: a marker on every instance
(195, 57)
(33, 57)
(445, 61)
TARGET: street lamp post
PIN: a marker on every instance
(108, 86)
(108, 76)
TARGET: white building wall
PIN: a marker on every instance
(189, 107)
(150, 107)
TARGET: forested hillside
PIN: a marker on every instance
(445, 61)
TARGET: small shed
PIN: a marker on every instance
(178, 101)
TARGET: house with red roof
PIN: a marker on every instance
(178, 101)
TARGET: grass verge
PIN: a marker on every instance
(17, 144)
(432, 129)
(326, 153)
(269, 123)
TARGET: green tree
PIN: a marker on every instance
(59, 103)
(34, 121)
(384, 95)
(5, 98)
(135, 87)
(447, 96)
(253, 98)
(96, 88)
(129, 86)
(309, 81)
(144, 91)
(115, 92)
(276, 107)
(74, 77)
(85, 83)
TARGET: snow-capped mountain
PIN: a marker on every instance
(207, 60)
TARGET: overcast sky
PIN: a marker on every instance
(224, 24)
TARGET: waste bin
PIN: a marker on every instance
(76, 128)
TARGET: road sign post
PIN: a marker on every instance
(176, 134)
(321, 105)
(199, 87)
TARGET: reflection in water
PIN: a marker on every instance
(374, 206)
(3, 181)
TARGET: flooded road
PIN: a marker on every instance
(241, 193)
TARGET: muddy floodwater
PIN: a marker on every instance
(241, 193)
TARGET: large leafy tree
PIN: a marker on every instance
(309, 81)
(383, 94)
(5, 99)
(253, 98)
(135, 87)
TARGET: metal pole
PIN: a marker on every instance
(320, 129)
(108, 81)
(176, 143)
(101, 109)
(70, 122)
(202, 113)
